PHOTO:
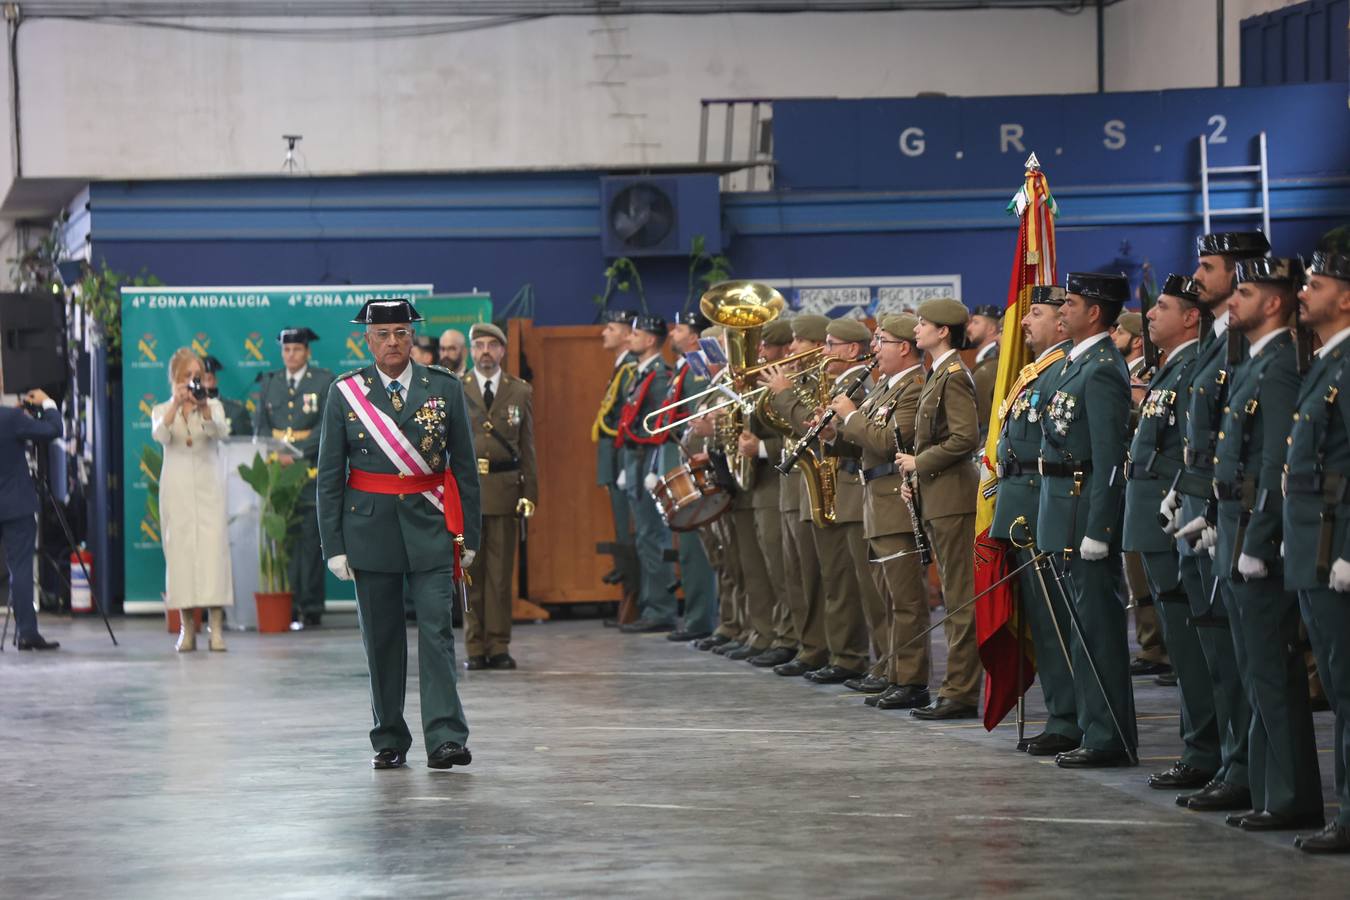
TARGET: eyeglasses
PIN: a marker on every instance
(384, 335)
(881, 340)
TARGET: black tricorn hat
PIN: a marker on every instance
(694, 318)
(1181, 286)
(1240, 244)
(1271, 270)
(1048, 294)
(989, 311)
(1099, 287)
(622, 316)
(650, 324)
(1332, 265)
(387, 312)
(211, 364)
(296, 336)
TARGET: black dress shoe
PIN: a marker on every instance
(613, 576)
(1088, 758)
(1217, 796)
(795, 668)
(684, 637)
(1335, 838)
(868, 684)
(448, 755)
(388, 759)
(1268, 821)
(1148, 667)
(745, 652)
(1051, 745)
(711, 641)
(646, 626)
(501, 661)
(775, 656)
(943, 708)
(1179, 778)
(313, 620)
(728, 647)
(473, 663)
(905, 696)
(1167, 679)
(37, 642)
(831, 675)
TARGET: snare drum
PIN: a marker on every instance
(690, 495)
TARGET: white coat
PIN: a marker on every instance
(192, 509)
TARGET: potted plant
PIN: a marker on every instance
(278, 488)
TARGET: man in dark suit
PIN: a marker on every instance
(40, 421)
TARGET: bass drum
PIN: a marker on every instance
(691, 495)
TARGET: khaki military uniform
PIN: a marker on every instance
(985, 375)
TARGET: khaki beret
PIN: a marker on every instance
(777, 333)
(1132, 322)
(898, 324)
(944, 311)
(809, 327)
(487, 329)
(851, 330)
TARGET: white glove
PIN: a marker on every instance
(1209, 539)
(1251, 568)
(622, 481)
(1192, 528)
(1340, 576)
(1092, 550)
(1171, 505)
(466, 557)
(338, 566)
(651, 481)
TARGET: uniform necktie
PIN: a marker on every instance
(292, 382)
(488, 396)
(395, 395)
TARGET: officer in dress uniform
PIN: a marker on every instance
(1015, 516)
(1084, 427)
(1317, 513)
(1285, 784)
(501, 412)
(397, 493)
(946, 436)
(1153, 468)
(290, 408)
(983, 332)
(614, 336)
(241, 423)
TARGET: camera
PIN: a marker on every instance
(196, 389)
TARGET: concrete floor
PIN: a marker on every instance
(607, 765)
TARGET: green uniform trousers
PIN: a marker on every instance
(1094, 589)
(875, 607)
(1327, 614)
(625, 557)
(306, 569)
(755, 580)
(1282, 769)
(904, 590)
(699, 583)
(953, 541)
(808, 611)
(655, 601)
(1052, 668)
(730, 598)
(379, 609)
(845, 627)
(769, 535)
(487, 622)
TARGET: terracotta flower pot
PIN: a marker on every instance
(274, 612)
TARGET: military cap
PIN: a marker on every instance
(1183, 287)
(296, 336)
(1099, 287)
(650, 324)
(487, 330)
(1241, 244)
(1271, 270)
(989, 311)
(810, 327)
(944, 311)
(899, 325)
(1131, 322)
(211, 365)
(621, 316)
(694, 318)
(1332, 265)
(387, 312)
(777, 333)
(853, 331)
(1048, 294)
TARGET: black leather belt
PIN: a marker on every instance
(1137, 471)
(1330, 484)
(1191, 458)
(1227, 490)
(879, 472)
(1014, 469)
(508, 465)
(1064, 470)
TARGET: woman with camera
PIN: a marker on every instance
(192, 501)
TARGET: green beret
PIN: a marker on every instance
(944, 311)
(809, 327)
(851, 330)
(487, 329)
(777, 333)
(900, 325)
(1132, 322)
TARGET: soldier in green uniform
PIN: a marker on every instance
(1015, 515)
(501, 413)
(1153, 468)
(614, 337)
(1286, 787)
(241, 423)
(290, 408)
(1189, 507)
(396, 474)
(1317, 513)
(946, 436)
(1084, 427)
(983, 332)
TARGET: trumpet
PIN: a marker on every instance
(722, 385)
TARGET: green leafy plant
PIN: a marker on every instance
(278, 486)
(622, 276)
(716, 267)
(99, 294)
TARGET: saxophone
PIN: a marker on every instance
(819, 472)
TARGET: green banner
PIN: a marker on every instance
(239, 326)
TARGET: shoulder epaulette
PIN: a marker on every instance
(443, 370)
(353, 372)
(953, 368)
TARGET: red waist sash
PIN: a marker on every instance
(377, 483)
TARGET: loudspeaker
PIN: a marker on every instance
(33, 343)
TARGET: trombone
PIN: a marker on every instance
(719, 385)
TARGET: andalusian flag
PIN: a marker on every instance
(996, 624)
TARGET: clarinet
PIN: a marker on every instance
(920, 537)
(814, 434)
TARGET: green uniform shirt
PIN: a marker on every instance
(1019, 448)
(293, 414)
(1155, 452)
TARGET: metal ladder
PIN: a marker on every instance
(1260, 169)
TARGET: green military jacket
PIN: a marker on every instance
(1019, 449)
(1085, 424)
(792, 408)
(293, 414)
(1316, 505)
(607, 420)
(946, 435)
(1155, 452)
(873, 428)
(639, 458)
(1249, 454)
(503, 441)
(395, 532)
(985, 376)
(241, 423)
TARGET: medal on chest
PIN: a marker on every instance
(1061, 411)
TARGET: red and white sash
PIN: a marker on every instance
(390, 438)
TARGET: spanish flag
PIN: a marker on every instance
(996, 623)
